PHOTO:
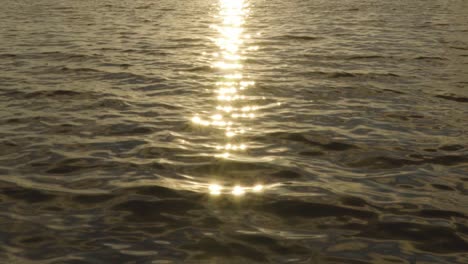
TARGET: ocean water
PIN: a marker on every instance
(233, 131)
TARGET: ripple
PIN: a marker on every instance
(147, 211)
(390, 162)
(297, 37)
(424, 237)
(314, 210)
(453, 98)
(353, 146)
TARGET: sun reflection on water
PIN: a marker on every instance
(215, 189)
(233, 110)
(228, 90)
(237, 190)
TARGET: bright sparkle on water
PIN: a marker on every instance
(233, 110)
(257, 188)
(215, 189)
(238, 190)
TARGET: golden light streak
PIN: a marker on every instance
(238, 190)
(257, 188)
(215, 189)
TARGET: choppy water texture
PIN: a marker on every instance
(302, 131)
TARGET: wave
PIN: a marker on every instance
(385, 162)
(454, 98)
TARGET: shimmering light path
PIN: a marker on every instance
(233, 112)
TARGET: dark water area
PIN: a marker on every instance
(234, 131)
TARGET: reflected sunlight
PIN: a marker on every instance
(258, 188)
(234, 109)
(237, 190)
(215, 189)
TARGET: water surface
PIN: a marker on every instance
(234, 131)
